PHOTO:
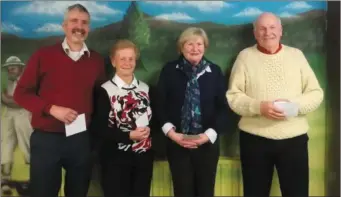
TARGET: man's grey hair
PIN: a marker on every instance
(256, 21)
(78, 7)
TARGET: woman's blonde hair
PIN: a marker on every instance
(124, 44)
(190, 32)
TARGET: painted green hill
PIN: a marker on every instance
(306, 32)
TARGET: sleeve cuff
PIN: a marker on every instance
(125, 136)
(47, 108)
(211, 134)
(167, 127)
(255, 107)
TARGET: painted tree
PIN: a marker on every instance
(135, 27)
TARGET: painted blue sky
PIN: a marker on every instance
(44, 18)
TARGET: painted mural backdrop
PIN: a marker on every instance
(154, 26)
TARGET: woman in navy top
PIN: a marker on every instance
(192, 109)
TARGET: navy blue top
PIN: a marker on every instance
(171, 94)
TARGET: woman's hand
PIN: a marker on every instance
(200, 141)
(139, 133)
(178, 138)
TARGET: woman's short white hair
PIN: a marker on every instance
(189, 33)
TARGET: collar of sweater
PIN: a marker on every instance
(264, 50)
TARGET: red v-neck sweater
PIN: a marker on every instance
(51, 77)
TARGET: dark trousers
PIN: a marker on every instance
(126, 173)
(259, 156)
(50, 152)
(193, 170)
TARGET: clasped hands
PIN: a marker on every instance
(187, 143)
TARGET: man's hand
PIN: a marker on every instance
(178, 138)
(8, 100)
(63, 114)
(202, 140)
(139, 133)
(4, 95)
(268, 110)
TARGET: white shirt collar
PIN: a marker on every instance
(66, 48)
(120, 83)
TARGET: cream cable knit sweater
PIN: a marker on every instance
(260, 77)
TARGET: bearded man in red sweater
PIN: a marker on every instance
(57, 87)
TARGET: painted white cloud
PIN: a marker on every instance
(96, 18)
(298, 5)
(287, 15)
(174, 16)
(9, 27)
(250, 11)
(204, 6)
(50, 28)
(57, 8)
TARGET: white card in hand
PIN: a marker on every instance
(77, 126)
(290, 109)
(142, 121)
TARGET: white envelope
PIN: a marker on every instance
(289, 109)
(142, 121)
(77, 126)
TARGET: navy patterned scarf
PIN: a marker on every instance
(191, 110)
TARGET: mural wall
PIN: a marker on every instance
(154, 26)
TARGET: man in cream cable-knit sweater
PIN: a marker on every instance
(273, 87)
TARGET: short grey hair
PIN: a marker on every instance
(188, 33)
(256, 21)
(78, 7)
